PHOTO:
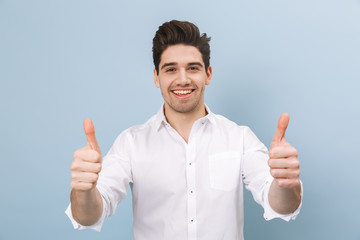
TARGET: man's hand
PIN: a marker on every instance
(86, 201)
(283, 162)
(285, 190)
(86, 166)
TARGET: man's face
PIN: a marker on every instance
(182, 78)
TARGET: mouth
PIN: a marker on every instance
(182, 93)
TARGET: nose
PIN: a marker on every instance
(183, 77)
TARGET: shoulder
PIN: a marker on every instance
(225, 123)
(139, 130)
(128, 138)
(230, 128)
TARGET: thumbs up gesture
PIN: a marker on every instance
(283, 161)
(86, 165)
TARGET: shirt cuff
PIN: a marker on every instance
(96, 226)
(269, 213)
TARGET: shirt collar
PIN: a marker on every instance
(160, 119)
(210, 116)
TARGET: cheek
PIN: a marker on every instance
(164, 89)
(201, 83)
(162, 83)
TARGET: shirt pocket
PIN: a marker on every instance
(224, 170)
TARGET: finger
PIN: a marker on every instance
(287, 182)
(282, 151)
(83, 186)
(89, 155)
(90, 134)
(81, 166)
(284, 163)
(285, 173)
(281, 127)
(84, 177)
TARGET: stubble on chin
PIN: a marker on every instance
(183, 108)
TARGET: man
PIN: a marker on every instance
(186, 165)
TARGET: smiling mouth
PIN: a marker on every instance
(182, 92)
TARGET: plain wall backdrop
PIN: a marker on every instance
(63, 61)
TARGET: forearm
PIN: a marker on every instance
(86, 206)
(284, 200)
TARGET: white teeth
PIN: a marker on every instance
(182, 92)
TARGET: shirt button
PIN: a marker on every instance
(192, 220)
(191, 191)
(189, 163)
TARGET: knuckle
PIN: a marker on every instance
(91, 177)
(272, 152)
(96, 177)
(98, 168)
(97, 156)
(295, 152)
(271, 162)
(74, 175)
(76, 153)
(93, 156)
(297, 164)
(73, 166)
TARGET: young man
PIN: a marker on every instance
(186, 165)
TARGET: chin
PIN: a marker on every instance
(185, 108)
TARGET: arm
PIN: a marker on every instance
(285, 190)
(284, 200)
(86, 201)
(86, 206)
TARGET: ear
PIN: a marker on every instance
(208, 75)
(156, 79)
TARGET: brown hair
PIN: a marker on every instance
(180, 32)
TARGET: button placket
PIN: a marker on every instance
(191, 196)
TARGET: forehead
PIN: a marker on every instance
(181, 54)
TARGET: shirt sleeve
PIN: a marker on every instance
(114, 178)
(269, 213)
(97, 226)
(256, 174)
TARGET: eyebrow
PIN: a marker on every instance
(195, 64)
(168, 64)
(174, 64)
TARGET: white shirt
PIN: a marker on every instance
(185, 190)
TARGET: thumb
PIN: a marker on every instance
(90, 135)
(281, 128)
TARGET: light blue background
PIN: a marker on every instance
(63, 61)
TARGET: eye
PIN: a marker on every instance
(170, 70)
(193, 68)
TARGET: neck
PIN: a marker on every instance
(183, 122)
